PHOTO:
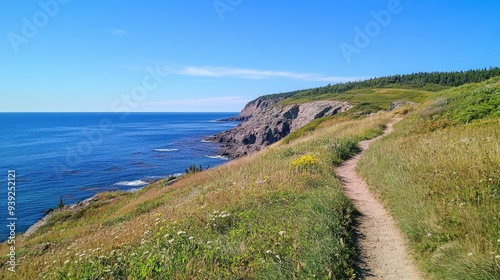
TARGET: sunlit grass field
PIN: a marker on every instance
(439, 174)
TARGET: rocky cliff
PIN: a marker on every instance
(265, 121)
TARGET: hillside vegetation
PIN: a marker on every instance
(439, 174)
(282, 214)
(426, 82)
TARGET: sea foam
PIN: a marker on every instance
(218, 157)
(132, 183)
(165, 150)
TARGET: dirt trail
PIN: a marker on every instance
(382, 253)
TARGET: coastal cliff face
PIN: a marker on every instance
(264, 122)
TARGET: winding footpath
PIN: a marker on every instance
(381, 250)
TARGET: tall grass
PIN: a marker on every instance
(368, 99)
(439, 174)
(279, 214)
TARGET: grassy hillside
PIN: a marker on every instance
(280, 214)
(434, 81)
(439, 174)
(368, 99)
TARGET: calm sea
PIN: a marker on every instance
(76, 155)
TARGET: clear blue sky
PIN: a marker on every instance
(206, 55)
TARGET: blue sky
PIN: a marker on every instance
(206, 55)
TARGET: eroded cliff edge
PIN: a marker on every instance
(266, 121)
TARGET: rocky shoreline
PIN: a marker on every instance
(265, 121)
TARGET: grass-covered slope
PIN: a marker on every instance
(279, 214)
(434, 81)
(439, 175)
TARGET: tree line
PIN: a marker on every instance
(431, 81)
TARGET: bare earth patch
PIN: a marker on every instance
(381, 249)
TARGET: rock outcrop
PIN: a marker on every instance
(264, 121)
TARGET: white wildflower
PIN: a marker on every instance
(191, 238)
(268, 252)
(281, 232)
(181, 232)
(66, 262)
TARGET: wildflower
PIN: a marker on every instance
(268, 252)
(305, 162)
(191, 238)
(66, 262)
(281, 232)
(181, 232)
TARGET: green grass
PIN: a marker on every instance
(366, 100)
(267, 216)
(439, 174)
(467, 103)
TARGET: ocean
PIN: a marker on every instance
(76, 155)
